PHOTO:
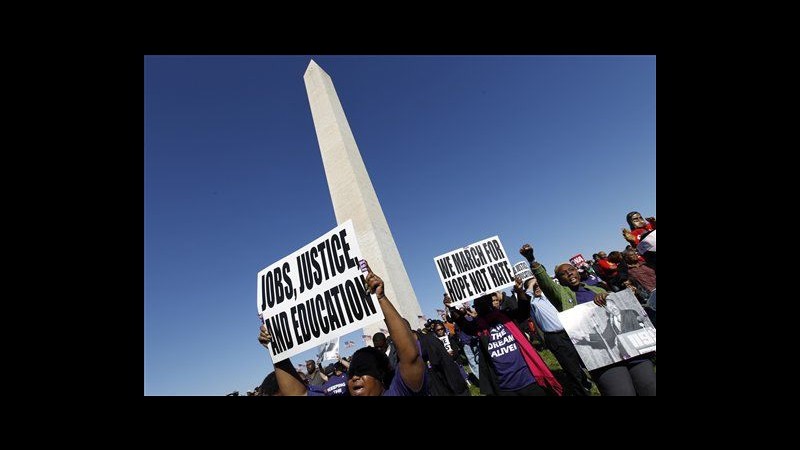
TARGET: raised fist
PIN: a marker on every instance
(527, 252)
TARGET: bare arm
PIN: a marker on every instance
(288, 381)
(628, 236)
(409, 364)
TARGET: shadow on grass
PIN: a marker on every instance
(554, 366)
(558, 372)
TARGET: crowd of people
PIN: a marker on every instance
(495, 343)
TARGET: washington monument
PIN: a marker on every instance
(354, 197)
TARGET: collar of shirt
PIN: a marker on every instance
(530, 294)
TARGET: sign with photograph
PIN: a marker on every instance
(604, 335)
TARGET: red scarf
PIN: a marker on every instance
(538, 368)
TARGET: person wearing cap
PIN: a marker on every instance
(638, 227)
(633, 376)
(369, 372)
(269, 387)
(336, 385)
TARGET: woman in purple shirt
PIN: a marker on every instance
(367, 374)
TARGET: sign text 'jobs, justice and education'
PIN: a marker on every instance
(315, 294)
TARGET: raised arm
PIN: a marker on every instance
(523, 310)
(460, 318)
(289, 381)
(410, 364)
(551, 290)
(629, 236)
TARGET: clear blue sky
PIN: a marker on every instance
(551, 150)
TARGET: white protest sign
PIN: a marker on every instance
(606, 335)
(315, 294)
(446, 343)
(577, 260)
(523, 270)
(329, 350)
(475, 270)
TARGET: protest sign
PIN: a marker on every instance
(315, 294)
(577, 260)
(329, 351)
(615, 332)
(523, 270)
(475, 270)
(446, 343)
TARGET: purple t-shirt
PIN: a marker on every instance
(336, 386)
(465, 338)
(583, 295)
(399, 389)
(315, 391)
(512, 372)
(592, 280)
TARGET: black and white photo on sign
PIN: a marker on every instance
(316, 294)
(607, 334)
(523, 270)
(475, 270)
(329, 351)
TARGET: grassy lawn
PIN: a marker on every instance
(558, 372)
(554, 366)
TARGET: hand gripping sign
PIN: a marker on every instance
(315, 294)
(475, 270)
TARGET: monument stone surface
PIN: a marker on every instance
(354, 197)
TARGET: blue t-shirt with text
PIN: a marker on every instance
(335, 386)
(512, 372)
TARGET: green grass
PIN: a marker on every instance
(554, 366)
(558, 372)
